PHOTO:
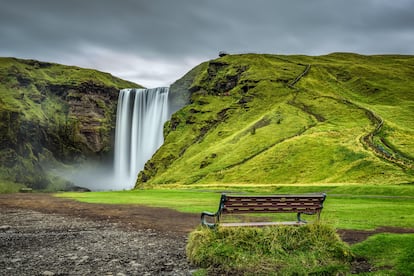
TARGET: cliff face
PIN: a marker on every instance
(51, 115)
(179, 95)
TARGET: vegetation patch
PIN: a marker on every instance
(311, 249)
(9, 187)
(389, 254)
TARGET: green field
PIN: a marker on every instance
(347, 207)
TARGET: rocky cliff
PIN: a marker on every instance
(52, 115)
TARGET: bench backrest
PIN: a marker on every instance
(306, 204)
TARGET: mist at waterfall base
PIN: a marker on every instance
(140, 118)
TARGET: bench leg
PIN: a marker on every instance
(299, 219)
(205, 223)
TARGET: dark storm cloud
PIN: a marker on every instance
(135, 38)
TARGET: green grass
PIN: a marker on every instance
(348, 207)
(180, 200)
(312, 249)
(369, 213)
(390, 254)
(7, 187)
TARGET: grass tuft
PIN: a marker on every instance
(7, 187)
(390, 254)
(314, 248)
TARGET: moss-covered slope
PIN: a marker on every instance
(340, 118)
(51, 113)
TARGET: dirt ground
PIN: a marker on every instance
(44, 235)
(128, 216)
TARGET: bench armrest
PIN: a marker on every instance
(204, 222)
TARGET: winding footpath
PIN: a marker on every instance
(383, 150)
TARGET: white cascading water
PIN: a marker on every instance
(141, 115)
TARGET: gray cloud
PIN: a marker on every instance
(155, 42)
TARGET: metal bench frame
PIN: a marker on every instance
(308, 204)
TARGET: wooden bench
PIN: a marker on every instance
(308, 204)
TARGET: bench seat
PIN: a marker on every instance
(309, 204)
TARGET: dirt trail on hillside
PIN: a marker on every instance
(45, 235)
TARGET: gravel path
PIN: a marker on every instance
(35, 243)
(45, 235)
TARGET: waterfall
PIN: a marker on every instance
(141, 114)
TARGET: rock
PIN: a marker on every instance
(180, 90)
(25, 190)
(4, 228)
(74, 188)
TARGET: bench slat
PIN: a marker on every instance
(241, 200)
(273, 206)
(253, 224)
(229, 204)
(268, 210)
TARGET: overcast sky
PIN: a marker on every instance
(154, 42)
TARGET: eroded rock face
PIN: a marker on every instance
(86, 132)
(220, 79)
(92, 107)
(53, 114)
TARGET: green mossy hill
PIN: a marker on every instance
(53, 113)
(339, 118)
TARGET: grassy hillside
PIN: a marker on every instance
(340, 118)
(53, 114)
